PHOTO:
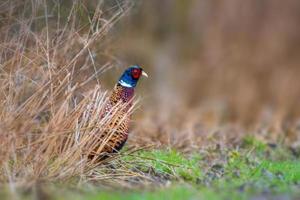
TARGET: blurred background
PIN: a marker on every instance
(217, 62)
(237, 59)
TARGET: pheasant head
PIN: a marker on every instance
(131, 76)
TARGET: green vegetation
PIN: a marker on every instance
(168, 163)
(240, 174)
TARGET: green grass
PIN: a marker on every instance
(254, 170)
(169, 163)
(241, 180)
(180, 192)
(242, 174)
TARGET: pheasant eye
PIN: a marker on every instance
(136, 73)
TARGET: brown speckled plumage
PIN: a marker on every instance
(112, 139)
(115, 140)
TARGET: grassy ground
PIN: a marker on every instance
(257, 170)
(254, 171)
(242, 176)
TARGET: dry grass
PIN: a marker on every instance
(49, 123)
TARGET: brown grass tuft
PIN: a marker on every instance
(48, 122)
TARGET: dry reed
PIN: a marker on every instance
(49, 124)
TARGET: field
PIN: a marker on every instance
(218, 117)
(256, 171)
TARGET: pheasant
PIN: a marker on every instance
(123, 92)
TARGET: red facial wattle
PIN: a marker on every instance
(136, 73)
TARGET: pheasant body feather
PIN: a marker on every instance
(121, 93)
(116, 136)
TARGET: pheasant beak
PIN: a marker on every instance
(144, 74)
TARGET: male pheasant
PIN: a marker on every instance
(123, 92)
